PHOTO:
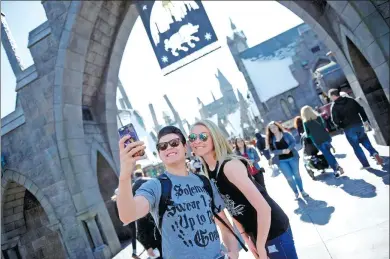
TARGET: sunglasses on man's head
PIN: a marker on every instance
(164, 145)
(202, 136)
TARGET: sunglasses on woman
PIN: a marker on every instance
(164, 145)
(202, 137)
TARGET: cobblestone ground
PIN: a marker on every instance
(343, 218)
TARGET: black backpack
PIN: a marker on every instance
(165, 200)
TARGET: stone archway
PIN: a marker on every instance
(108, 182)
(372, 90)
(29, 226)
(96, 34)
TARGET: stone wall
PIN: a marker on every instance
(77, 54)
(39, 241)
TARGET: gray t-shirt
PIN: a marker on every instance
(188, 228)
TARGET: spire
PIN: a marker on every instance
(232, 25)
(10, 47)
(175, 114)
(224, 84)
(240, 96)
(157, 126)
(124, 95)
(213, 96)
(199, 101)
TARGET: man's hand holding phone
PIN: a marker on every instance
(128, 156)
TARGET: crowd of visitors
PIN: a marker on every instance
(177, 213)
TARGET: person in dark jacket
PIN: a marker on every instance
(315, 129)
(298, 125)
(260, 144)
(348, 114)
(147, 233)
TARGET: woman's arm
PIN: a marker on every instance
(237, 174)
(290, 140)
(247, 239)
(227, 237)
(273, 150)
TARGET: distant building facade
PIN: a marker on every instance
(223, 106)
(280, 71)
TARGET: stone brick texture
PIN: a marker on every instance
(51, 151)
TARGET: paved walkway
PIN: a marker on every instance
(345, 218)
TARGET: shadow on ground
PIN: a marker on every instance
(340, 156)
(354, 187)
(383, 174)
(314, 211)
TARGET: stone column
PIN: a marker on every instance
(95, 233)
(12, 254)
(101, 250)
(10, 47)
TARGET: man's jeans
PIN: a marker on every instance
(356, 136)
(290, 170)
(325, 150)
(282, 247)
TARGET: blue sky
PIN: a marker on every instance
(140, 72)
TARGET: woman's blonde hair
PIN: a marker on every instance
(222, 148)
(308, 114)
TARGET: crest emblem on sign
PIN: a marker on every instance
(179, 31)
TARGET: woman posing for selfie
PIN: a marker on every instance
(262, 223)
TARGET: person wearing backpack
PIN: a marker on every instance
(183, 204)
(241, 149)
(315, 129)
(262, 223)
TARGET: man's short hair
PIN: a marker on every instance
(334, 92)
(171, 130)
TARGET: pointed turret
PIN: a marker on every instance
(232, 25)
(10, 47)
(175, 114)
(240, 96)
(212, 94)
(237, 42)
(224, 84)
(199, 101)
(157, 126)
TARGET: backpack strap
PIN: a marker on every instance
(165, 199)
(209, 189)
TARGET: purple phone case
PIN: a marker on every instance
(129, 130)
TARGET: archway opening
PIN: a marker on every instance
(25, 227)
(372, 89)
(108, 182)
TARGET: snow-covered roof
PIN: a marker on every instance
(271, 77)
(269, 47)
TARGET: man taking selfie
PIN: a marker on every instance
(182, 204)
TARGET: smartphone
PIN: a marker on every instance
(129, 130)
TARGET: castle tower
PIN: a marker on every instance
(124, 100)
(229, 98)
(201, 109)
(237, 42)
(157, 126)
(176, 115)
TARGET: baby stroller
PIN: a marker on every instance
(311, 159)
